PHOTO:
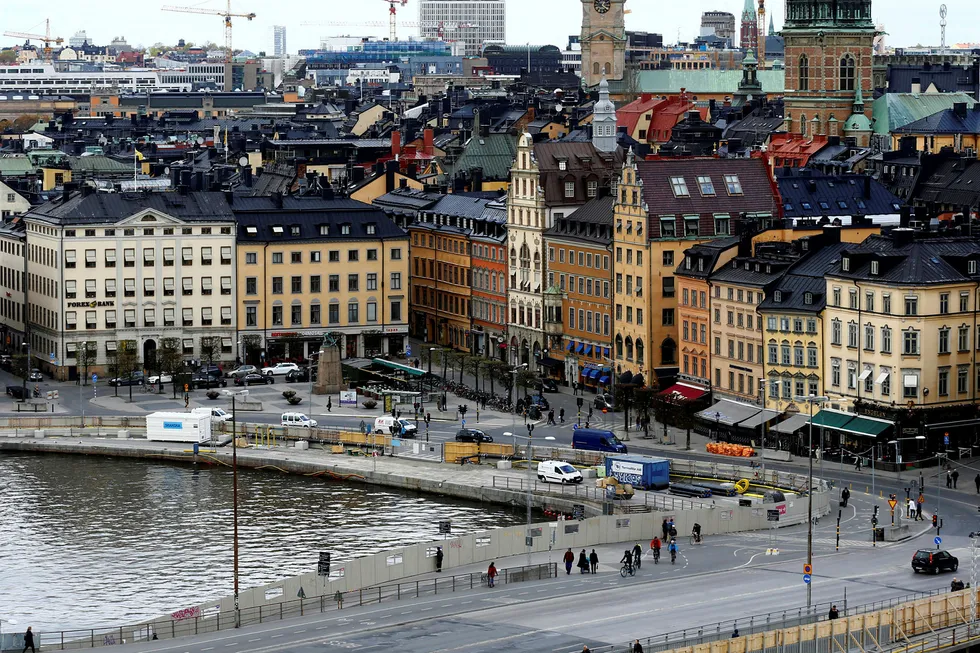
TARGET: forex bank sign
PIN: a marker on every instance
(108, 302)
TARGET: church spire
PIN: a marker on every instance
(772, 26)
(604, 120)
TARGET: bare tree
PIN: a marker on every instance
(86, 355)
(171, 360)
(128, 363)
(210, 350)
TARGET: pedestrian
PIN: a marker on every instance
(637, 647)
(665, 527)
(187, 399)
(844, 496)
(594, 561)
(362, 427)
(956, 585)
(590, 412)
(956, 476)
(551, 417)
(949, 479)
(977, 481)
(29, 640)
(586, 649)
(561, 415)
(911, 507)
(918, 506)
(857, 463)
(735, 633)
(491, 574)
(569, 559)
(329, 404)
(583, 562)
(833, 614)
(339, 598)
(439, 556)
(673, 530)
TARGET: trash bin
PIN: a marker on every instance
(879, 534)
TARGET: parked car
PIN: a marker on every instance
(160, 378)
(242, 370)
(217, 414)
(597, 440)
(302, 375)
(604, 402)
(6, 361)
(540, 402)
(254, 379)
(389, 424)
(35, 375)
(136, 378)
(205, 380)
(18, 392)
(297, 419)
(213, 370)
(558, 471)
(934, 561)
(472, 435)
(280, 369)
(547, 385)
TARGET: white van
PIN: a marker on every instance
(297, 419)
(217, 414)
(386, 424)
(558, 471)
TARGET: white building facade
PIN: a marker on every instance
(473, 22)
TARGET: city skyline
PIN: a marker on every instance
(907, 22)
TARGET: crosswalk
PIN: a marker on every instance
(784, 540)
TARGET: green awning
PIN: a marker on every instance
(407, 369)
(866, 426)
(831, 419)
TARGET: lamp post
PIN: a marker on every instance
(898, 463)
(530, 481)
(234, 497)
(810, 399)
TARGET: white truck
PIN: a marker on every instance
(178, 427)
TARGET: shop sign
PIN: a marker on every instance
(92, 304)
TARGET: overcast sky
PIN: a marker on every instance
(908, 22)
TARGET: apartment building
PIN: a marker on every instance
(110, 267)
(13, 240)
(313, 266)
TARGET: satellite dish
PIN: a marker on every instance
(166, 170)
(200, 140)
(559, 108)
(243, 161)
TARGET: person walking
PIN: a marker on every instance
(551, 417)
(918, 506)
(439, 556)
(29, 640)
(857, 464)
(590, 412)
(491, 574)
(665, 527)
(561, 415)
(977, 481)
(594, 561)
(329, 404)
(637, 647)
(844, 496)
(949, 479)
(339, 598)
(569, 560)
(912, 510)
(833, 614)
(583, 562)
(956, 476)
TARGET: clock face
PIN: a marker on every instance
(602, 6)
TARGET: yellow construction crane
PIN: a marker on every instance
(763, 32)
(227, 15)
(46, 37)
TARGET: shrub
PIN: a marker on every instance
(289, 394)
(212, 394)
(369, 404)
(293, 401)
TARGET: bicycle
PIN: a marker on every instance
(637, 559)
(627, 569)
(673, 557)
(696, 539)
(656, 556)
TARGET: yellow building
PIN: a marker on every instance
(320, 266)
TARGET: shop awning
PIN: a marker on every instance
(831, 419)
(605, 352)
(762, 417)
(685, 391)
(552, 363)
(411, 371)
(594, 374)
(571, 346)
(603, 380)
(729, 412)
(580, 348)
(867, 426)
(792, 425)
(588, 350)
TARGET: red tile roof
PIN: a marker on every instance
(629, 115)
(794, 148)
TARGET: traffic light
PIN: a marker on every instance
(935, 521)
(462, 410)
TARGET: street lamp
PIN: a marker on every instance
(530, 430)
(898, 463)
(810, 399)
(234, 496)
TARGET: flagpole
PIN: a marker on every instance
(135, 165)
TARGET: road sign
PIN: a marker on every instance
(95, 378)
(806, 578)
(408, 350)
(892, 503)
(772, 515)
(946, 438)
(445, 527)
(574, 427)
(808, 569)
(937, 540)
(464, 423)
(323, 564)
(51, 356)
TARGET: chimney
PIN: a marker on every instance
(277, 199)
(831, 235)
(959, 109)
(902, 237)
(87, 189)
(247, 176)
(396, 143)
(66, 192)
(905, 217)
(326, 192)
(833, 140)
(185, 181)
(867, 187)
(428, 138)
(646, 97)
(916, 85)
(229, 197)
(391, 167)
(477, 183)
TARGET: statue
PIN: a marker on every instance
(329, 377)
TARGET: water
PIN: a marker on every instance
(88, 541)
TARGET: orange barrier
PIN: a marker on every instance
(727, 449)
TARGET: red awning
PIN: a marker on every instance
(685, 392)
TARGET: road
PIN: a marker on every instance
(727, 578)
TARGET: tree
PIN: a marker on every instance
(128, 363)
(526, 379)
(631, 82)
(502, 372)
(492, 371)
(643, 399)
(25, 122)
(473, 364)
(86, 355)
(20, 367)
(171, 360)
(7, 57)
(210, 350)
(623, 395)
(251, 343)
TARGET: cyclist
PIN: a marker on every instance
(655, 545)
(627, 560)
(672, 547)
(697, 532)
(637, 555)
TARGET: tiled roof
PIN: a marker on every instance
(591, 223)
(926, 261)
(107, 208)
(630, 114)
(464, 207)
(946, 122)
(99, 164)
(709, 253)
(291, 225)
(495, 153)
(894, 110)
(952, 182)
(583, 162)
(812, 194)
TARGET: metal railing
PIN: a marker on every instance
(197, 622)
(650, 500)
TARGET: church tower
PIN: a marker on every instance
(603, 40)
(829, 48)
(604, 121)
(749, 36)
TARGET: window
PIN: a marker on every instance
(910, 341)
(334, 283)
(352, 283)
(276, 258)
(372, 312)
(773, 353)
(251, 316)
(679, 186)
(886, 340)
(352, 255)
(129, 287)
(847, 73)
(667, 317)
(277, 315)
(962, 379)
(668, 258)
(784, 353)
(944, 340)
(943, 381)
(276, 285)
(129, 318)
(396, 254)
(804, 73)
(334, 256)
(668, 228)
(911, 305)
(149, 287)
(352, 313)
(869, 302)
(886, 304)
(963, 338)
(835, 332)
(811, 356)
(569, 189)
(372, 281)
(869, 337)
(592, 188)
(333, 314)
(836, 295)
(296, 285)
(835, 372)
(722, 227)
(852, 299)
(964, 302)
(186, 256)
(811, 325)
(296, 257)
(706, 186)
(396, 281)
(733, 184)
(251, 258)
(296, 315)
(944, 303)
(691, 226)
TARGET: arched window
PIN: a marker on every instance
(629, 348)
(804, 73)
(608, 68)
(537, 262)
(513, 257)
(639, 350)
(619, 346)
(525, 257)
(595, 68)
(668, 352)
(847, 73)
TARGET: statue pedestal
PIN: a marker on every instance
(329, 377)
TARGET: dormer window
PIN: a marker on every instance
(808, 298)
(563, 165)
(679, 186)
(768, 269)
(324, 230)
(748, 266)
(252, 231)
(277, 230)
(845, 264)
(345, 229)
(294, 230)
(700, 265)
(777, 297)
(371, 228)
(687, 262)
(971, 267)
(874, 267)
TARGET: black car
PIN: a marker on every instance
(205, 380)
(547, 385)
(255, 379)
(540, 402)
(135, 379)
(302, 375)
(934, 561)
(603, 402)
(212, 370)
(472, 435)
(35, 375)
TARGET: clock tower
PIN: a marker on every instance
(603, 40)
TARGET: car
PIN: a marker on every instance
(539, 401)
(136, 378)
(254, 379)
(604, 402)
(205, 380)
(395, 426)
(35, 375)
(217, 414)
(301, 375)
(18, 392)
(213, 370)
(160, 378)
(297, 419)
(472, 435)
(934, 561)
(280, 369)
(547, 385)
(558, 471)
(242, 370)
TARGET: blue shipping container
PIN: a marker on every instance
(642, 472)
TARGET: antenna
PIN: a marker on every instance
(942, 26)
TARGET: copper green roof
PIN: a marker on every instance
(98, 164)
(661, 82)
(495, 153)
(15, 166)
(894, 110)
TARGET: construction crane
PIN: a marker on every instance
(763, 33)
(227, 15)
(46, 37)
(393, 16)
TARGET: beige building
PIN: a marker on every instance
(13, 240)
(11, 202)
(107, 267)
